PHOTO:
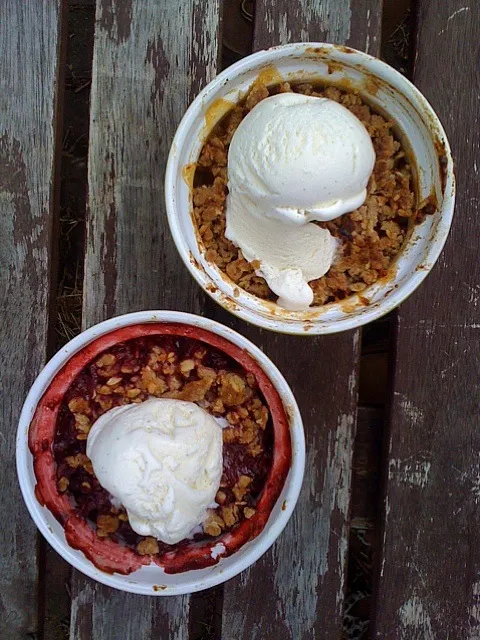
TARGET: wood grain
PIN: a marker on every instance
(356, 23)
(150, 57)
(144, 77)
(29, 66)
(296, 590)
(429, 574)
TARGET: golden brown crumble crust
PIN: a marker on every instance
(370, 237)
(231, 395)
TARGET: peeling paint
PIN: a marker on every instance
(455, 13)
(474, 612)
(411, 472)
(387, 513)
(414, 621)
(367, 40)
(309, 565)
(471, 478)
(462, 10)
(414, 414)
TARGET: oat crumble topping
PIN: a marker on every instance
(166, 367)
(370, 236)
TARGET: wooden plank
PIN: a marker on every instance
(296, 590)
(357, 24)
(429, 575)
(30, 37)
(150, 57)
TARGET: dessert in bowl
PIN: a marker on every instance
(310, 188)
(165, 452)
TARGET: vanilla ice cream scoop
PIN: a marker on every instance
(301, 157)
(162, 460)
(292, 160)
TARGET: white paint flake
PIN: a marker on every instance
(474, 611)
(414, 414)
(410, 472)
(454, 15)
(414, 620)
(352, 383)
(476, 486)
(367, 39)
(471, 478)
(387, 514)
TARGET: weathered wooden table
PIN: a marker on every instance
(151, 57)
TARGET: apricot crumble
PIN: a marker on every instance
(370, 237)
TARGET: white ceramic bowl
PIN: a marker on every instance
(386, 90)
(148, 579)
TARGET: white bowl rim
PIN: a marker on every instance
(309, 326)
(256, 548)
